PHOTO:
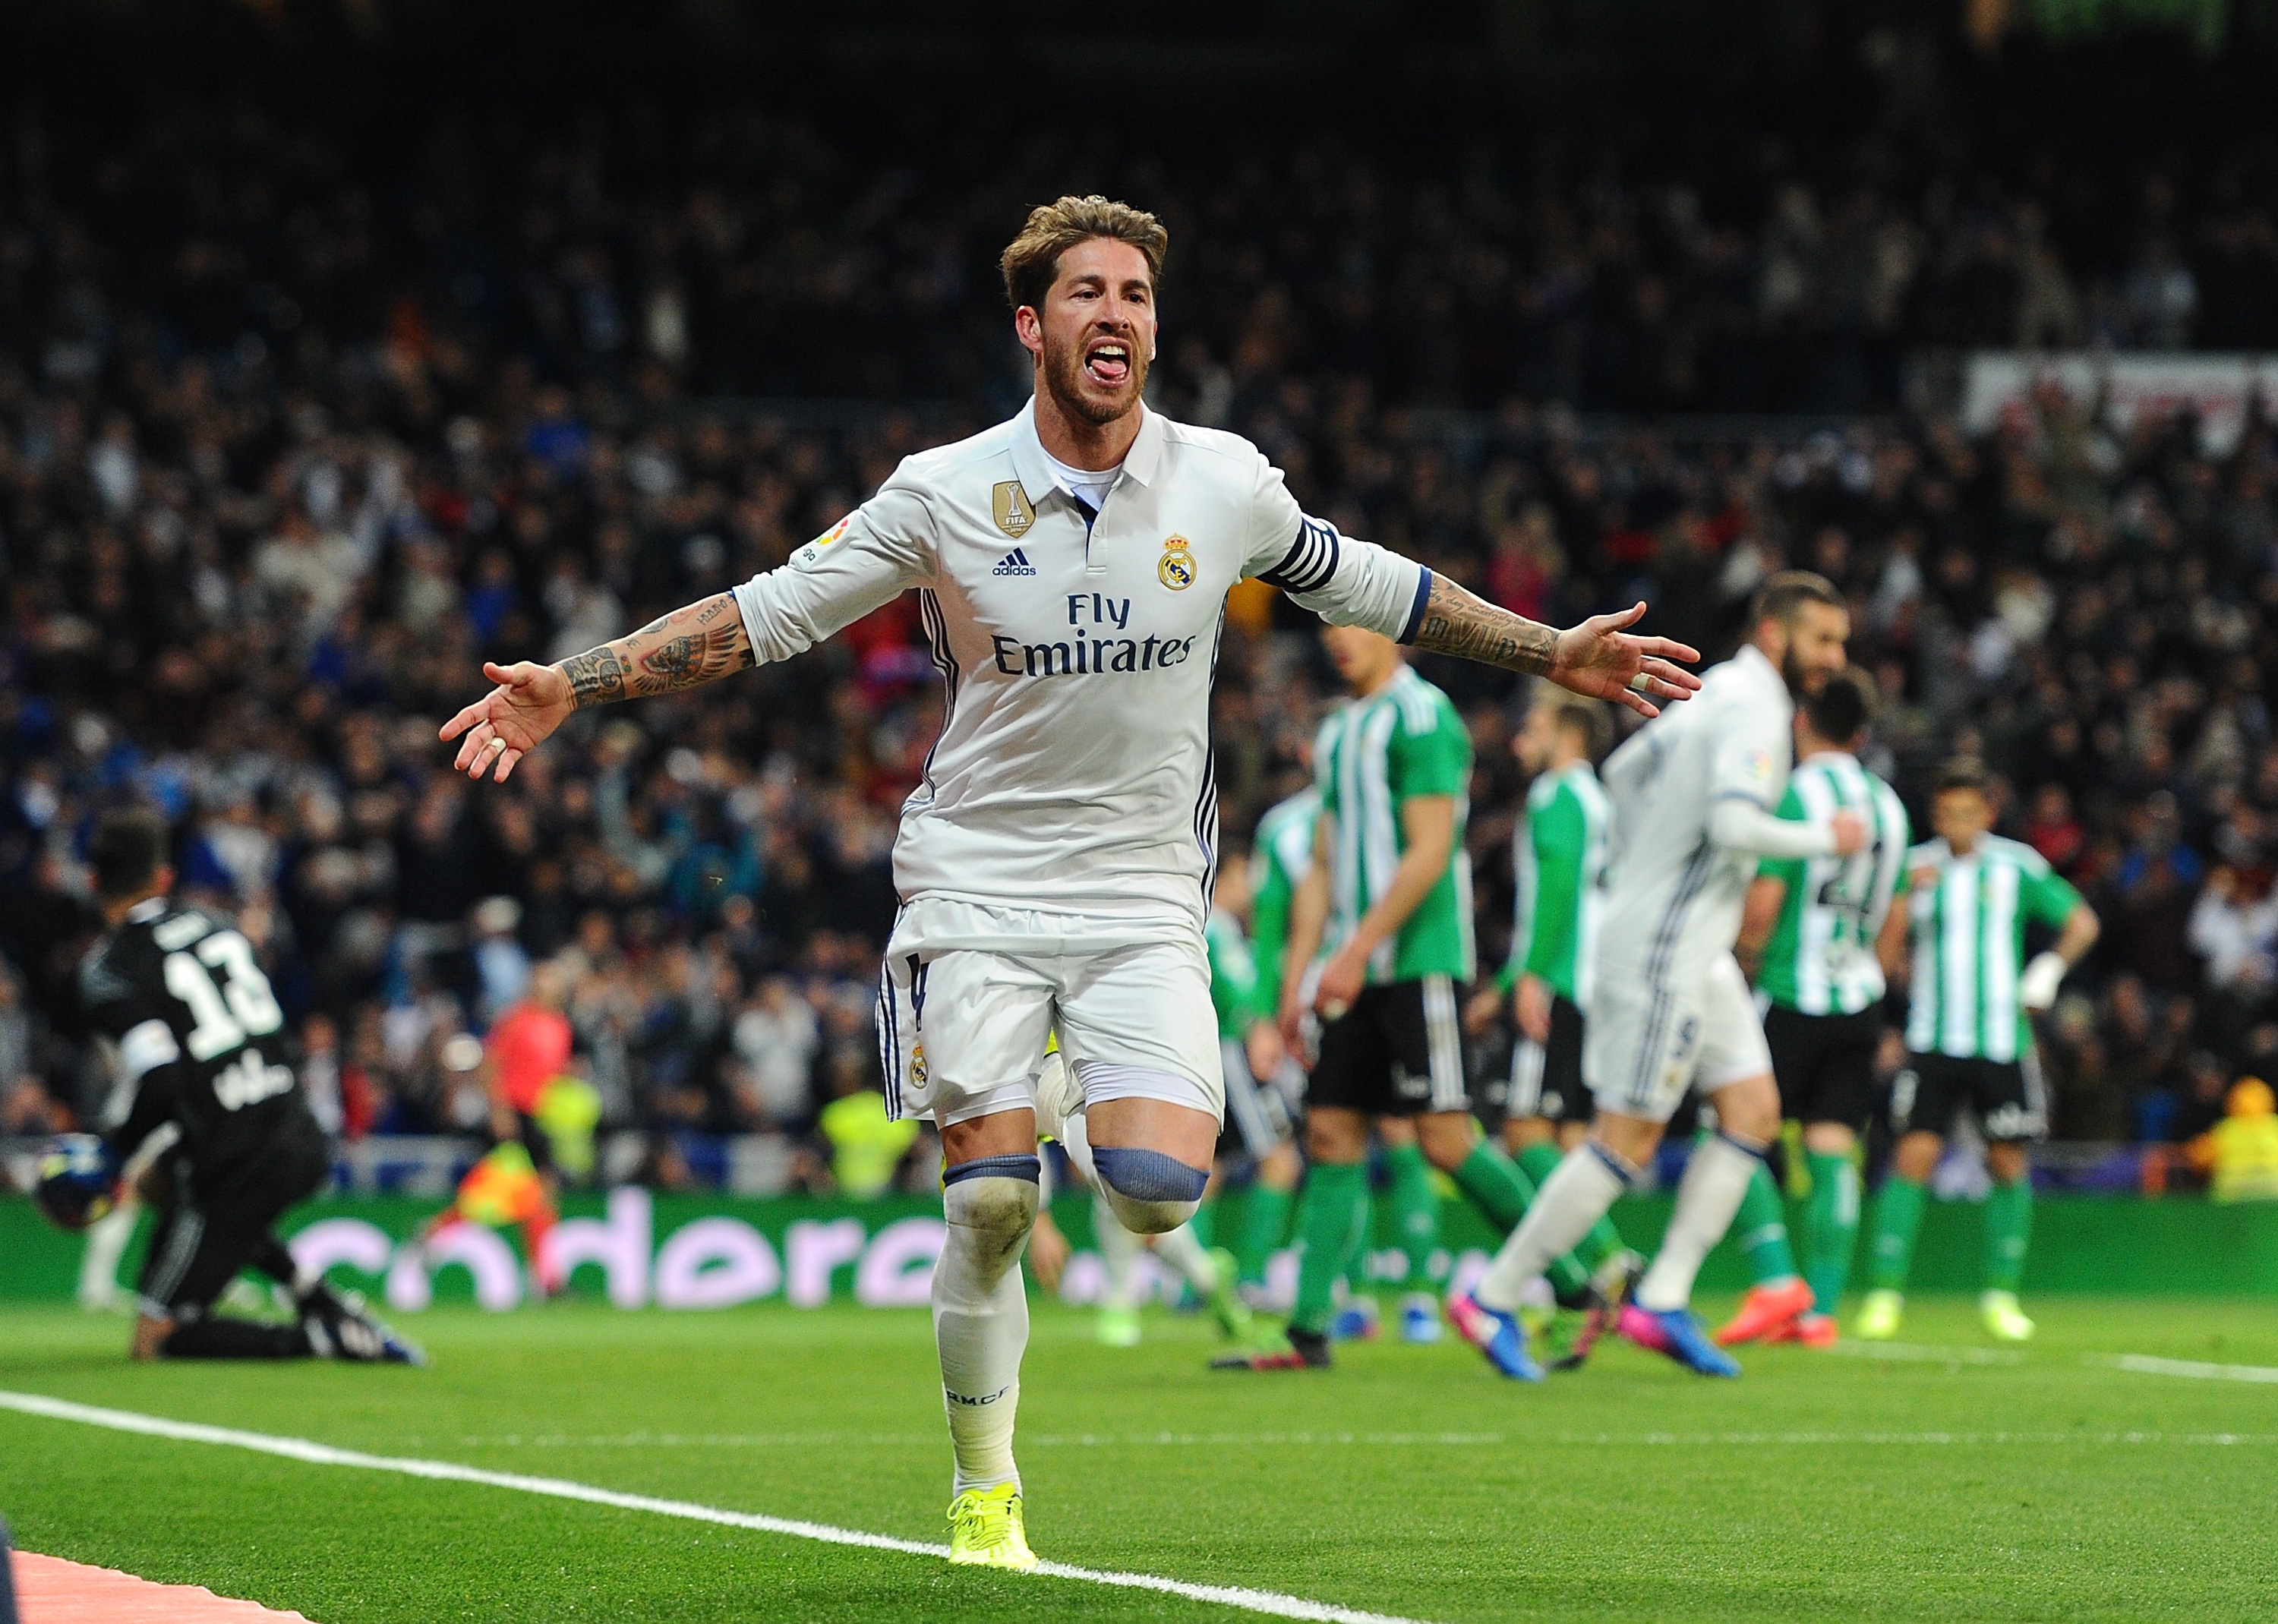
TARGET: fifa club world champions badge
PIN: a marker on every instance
(1010, 509)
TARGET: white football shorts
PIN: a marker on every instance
(1646, 1044)
(962, 1029)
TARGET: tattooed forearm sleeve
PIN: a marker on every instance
(1456, 622)
(699, 643)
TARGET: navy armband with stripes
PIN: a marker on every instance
(1311, 561)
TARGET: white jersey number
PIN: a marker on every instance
(241, 1007)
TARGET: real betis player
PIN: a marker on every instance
(1389, 892)
(1970, 1039)
(1280, 851)
(1823, 935)
(1559, 854)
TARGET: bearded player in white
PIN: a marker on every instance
(1693, 797)
(1055, 865)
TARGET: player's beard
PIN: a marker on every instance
(1076, 394)
(1798, 679)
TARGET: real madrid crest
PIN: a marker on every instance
(1014, 514)
(1176, 568)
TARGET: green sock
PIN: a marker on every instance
(1495, 1184)
(1264, 1221)
(1332, 1215)
(1491, 1182)
(1204, 1224)
(1898, 1218)
(1831, 1227)
(1761, 1230)
(1538, 1162)
(2008, 1229)
(1415, 1212)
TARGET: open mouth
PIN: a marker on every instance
(1109, 363)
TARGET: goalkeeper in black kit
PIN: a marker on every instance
(201, 1047)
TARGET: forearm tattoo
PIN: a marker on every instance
(1456, 622)
(689, 646)
(595, 677)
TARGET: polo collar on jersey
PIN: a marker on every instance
(1141, 462)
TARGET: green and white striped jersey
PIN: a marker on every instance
(1281, 852)
(1234, 974)
(1969, 915)
(1405, 740)
(1558, 855)
(1821, 958)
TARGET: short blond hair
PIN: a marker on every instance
(1034, 258)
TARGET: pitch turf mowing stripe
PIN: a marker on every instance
(310, 1452)
(1386, 1440)
(1915, 1352)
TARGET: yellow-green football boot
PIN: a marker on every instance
(986, 1529)
(1879, 1316)
(2005, 1321)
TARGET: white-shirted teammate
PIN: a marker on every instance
(1693, 798)
(1054, 866)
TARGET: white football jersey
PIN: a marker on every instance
(1073, 774)
(1675, 898)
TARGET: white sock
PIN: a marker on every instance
(1182, 1252)
(1716, 1178)
(106, 1244)
(1575, 1196)
(1119, 1250)
(980, 1323)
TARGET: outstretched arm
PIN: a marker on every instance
(699, 643)
(1597, 658)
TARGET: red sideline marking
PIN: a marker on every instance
(51, 1591)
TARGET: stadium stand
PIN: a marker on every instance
(291, 439)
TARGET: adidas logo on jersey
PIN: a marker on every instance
(1014, 563)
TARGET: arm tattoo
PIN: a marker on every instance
(691, 658)
(595, 677)
(682, 650)
(1456, 622)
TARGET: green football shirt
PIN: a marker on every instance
(1405, 740)
(1819, 959)
(1968, 917)
(1234, 973)
(1559, 859)
(1281, 853)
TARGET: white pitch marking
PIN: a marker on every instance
(2145, 1364)
(1267, 1602)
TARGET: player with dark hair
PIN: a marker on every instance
(1821, 935)
(200, 1042)
(1693, 795)
(1971, 998)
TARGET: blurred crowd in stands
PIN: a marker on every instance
(284, 457)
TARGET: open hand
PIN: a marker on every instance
(1602, 661)
(512, 719)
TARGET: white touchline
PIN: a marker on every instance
(1267, 1602)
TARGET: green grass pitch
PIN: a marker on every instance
(1408, 1481)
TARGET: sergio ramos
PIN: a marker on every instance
(1054, 867)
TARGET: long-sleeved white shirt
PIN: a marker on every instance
(1693, 795)
(1073, 774)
